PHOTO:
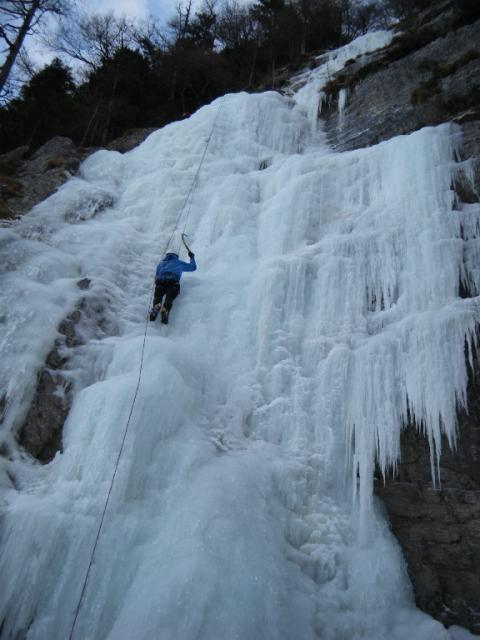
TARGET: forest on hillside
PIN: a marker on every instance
(111, 73)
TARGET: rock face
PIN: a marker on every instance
(427, 76)
(423, 77)
(37, 177)
(41, 433)
(439, 528)
(129, 140)
(27, 180)
(11, 161)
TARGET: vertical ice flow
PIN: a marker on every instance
(342, 101)
(325, 309)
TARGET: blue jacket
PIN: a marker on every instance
(172, 268)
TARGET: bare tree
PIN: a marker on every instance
(26, 66)
(236, 25)
(179, 24)
(150, 38)
(19, 18)
(93, 39)
(203, 29)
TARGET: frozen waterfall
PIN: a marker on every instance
(326, 306)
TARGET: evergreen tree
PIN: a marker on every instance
(44, 109)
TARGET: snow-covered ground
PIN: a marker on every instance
(327, 292)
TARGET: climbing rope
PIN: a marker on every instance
(117, 461)
(124, 437)
(193, 186)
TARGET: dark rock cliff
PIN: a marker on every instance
(439, 527)
(428, 75)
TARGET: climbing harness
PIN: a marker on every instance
(124, 437)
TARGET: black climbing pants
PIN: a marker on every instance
(168, 288)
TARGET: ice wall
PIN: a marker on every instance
(326, 295)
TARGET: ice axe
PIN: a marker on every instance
(189, 251)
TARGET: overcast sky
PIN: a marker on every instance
(161, 9)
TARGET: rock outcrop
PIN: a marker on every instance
(129, 140)
(438, 527)
(26, 180)
(33, 179)
(424, 77)
(41, 432)
(428, 75)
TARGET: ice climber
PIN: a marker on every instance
(167, 283)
